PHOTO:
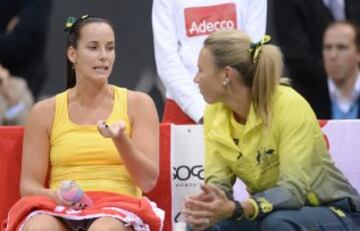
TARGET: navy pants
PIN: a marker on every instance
(320, 218)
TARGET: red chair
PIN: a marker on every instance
(11, 138)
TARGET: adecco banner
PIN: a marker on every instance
(207, 19)
(187, 158)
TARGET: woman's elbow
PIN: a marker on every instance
(29, 187)
(23, 189)
(150, 184)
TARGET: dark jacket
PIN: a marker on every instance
(299, 27)
(22, 50)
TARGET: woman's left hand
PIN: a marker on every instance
(208, 208)
(111, 130)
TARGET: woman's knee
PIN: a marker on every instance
(277, 221)
(212, 228)
(44, 222)
(108, 224)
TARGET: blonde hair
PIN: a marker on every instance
(231, 48)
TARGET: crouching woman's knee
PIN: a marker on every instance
(279, 221)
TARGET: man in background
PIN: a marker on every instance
(15, 99)
(299, 26)
(341, 55)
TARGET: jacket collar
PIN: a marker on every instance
(221, 125)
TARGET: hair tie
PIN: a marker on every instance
(255, 48)
(70, 21)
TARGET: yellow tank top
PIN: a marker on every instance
(80, 153)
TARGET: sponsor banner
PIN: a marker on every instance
(187, 158)
(344, 147)
(205, 20)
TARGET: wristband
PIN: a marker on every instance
(238, 213)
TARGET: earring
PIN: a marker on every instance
(225, 82)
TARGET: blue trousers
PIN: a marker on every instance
(320, 218)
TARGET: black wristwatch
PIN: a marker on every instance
(238, 213)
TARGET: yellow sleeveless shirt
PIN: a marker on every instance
(80, 153)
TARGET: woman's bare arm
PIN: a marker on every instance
(36, 146)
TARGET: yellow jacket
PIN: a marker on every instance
(285, 164)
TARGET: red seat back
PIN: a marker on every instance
(11, 138)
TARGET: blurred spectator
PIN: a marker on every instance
(179, 28)
(299, 25)
(15, 99)
(341, 54)
(23, 32)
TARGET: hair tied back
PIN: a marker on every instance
(255, 48)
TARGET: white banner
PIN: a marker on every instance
(343, 138)
(187, 158)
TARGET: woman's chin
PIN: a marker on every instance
(208, 101)
(101, 77)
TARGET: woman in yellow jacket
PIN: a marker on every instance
(266, 135)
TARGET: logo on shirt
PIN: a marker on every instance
(264, 157)
(205, 20)
(236, 141)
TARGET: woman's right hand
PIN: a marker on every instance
(207, 208)
(196, 223)
(56, 196)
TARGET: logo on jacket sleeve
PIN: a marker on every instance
(205, 20)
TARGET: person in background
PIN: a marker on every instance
(15, 99)
(179, 29)
(299, 27)
(100, 136)
(266, 135)
(341, 54)
(23, 34)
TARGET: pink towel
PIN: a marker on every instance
(139, 213)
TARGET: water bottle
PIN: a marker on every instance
(71, 192)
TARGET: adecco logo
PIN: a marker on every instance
(207, 27)
(204, 20)
(184, 172)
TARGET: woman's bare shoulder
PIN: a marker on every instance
(140, 103)
(42, 113)
(139, 97)
(45, 105)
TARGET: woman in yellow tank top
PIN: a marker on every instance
(103, 137)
